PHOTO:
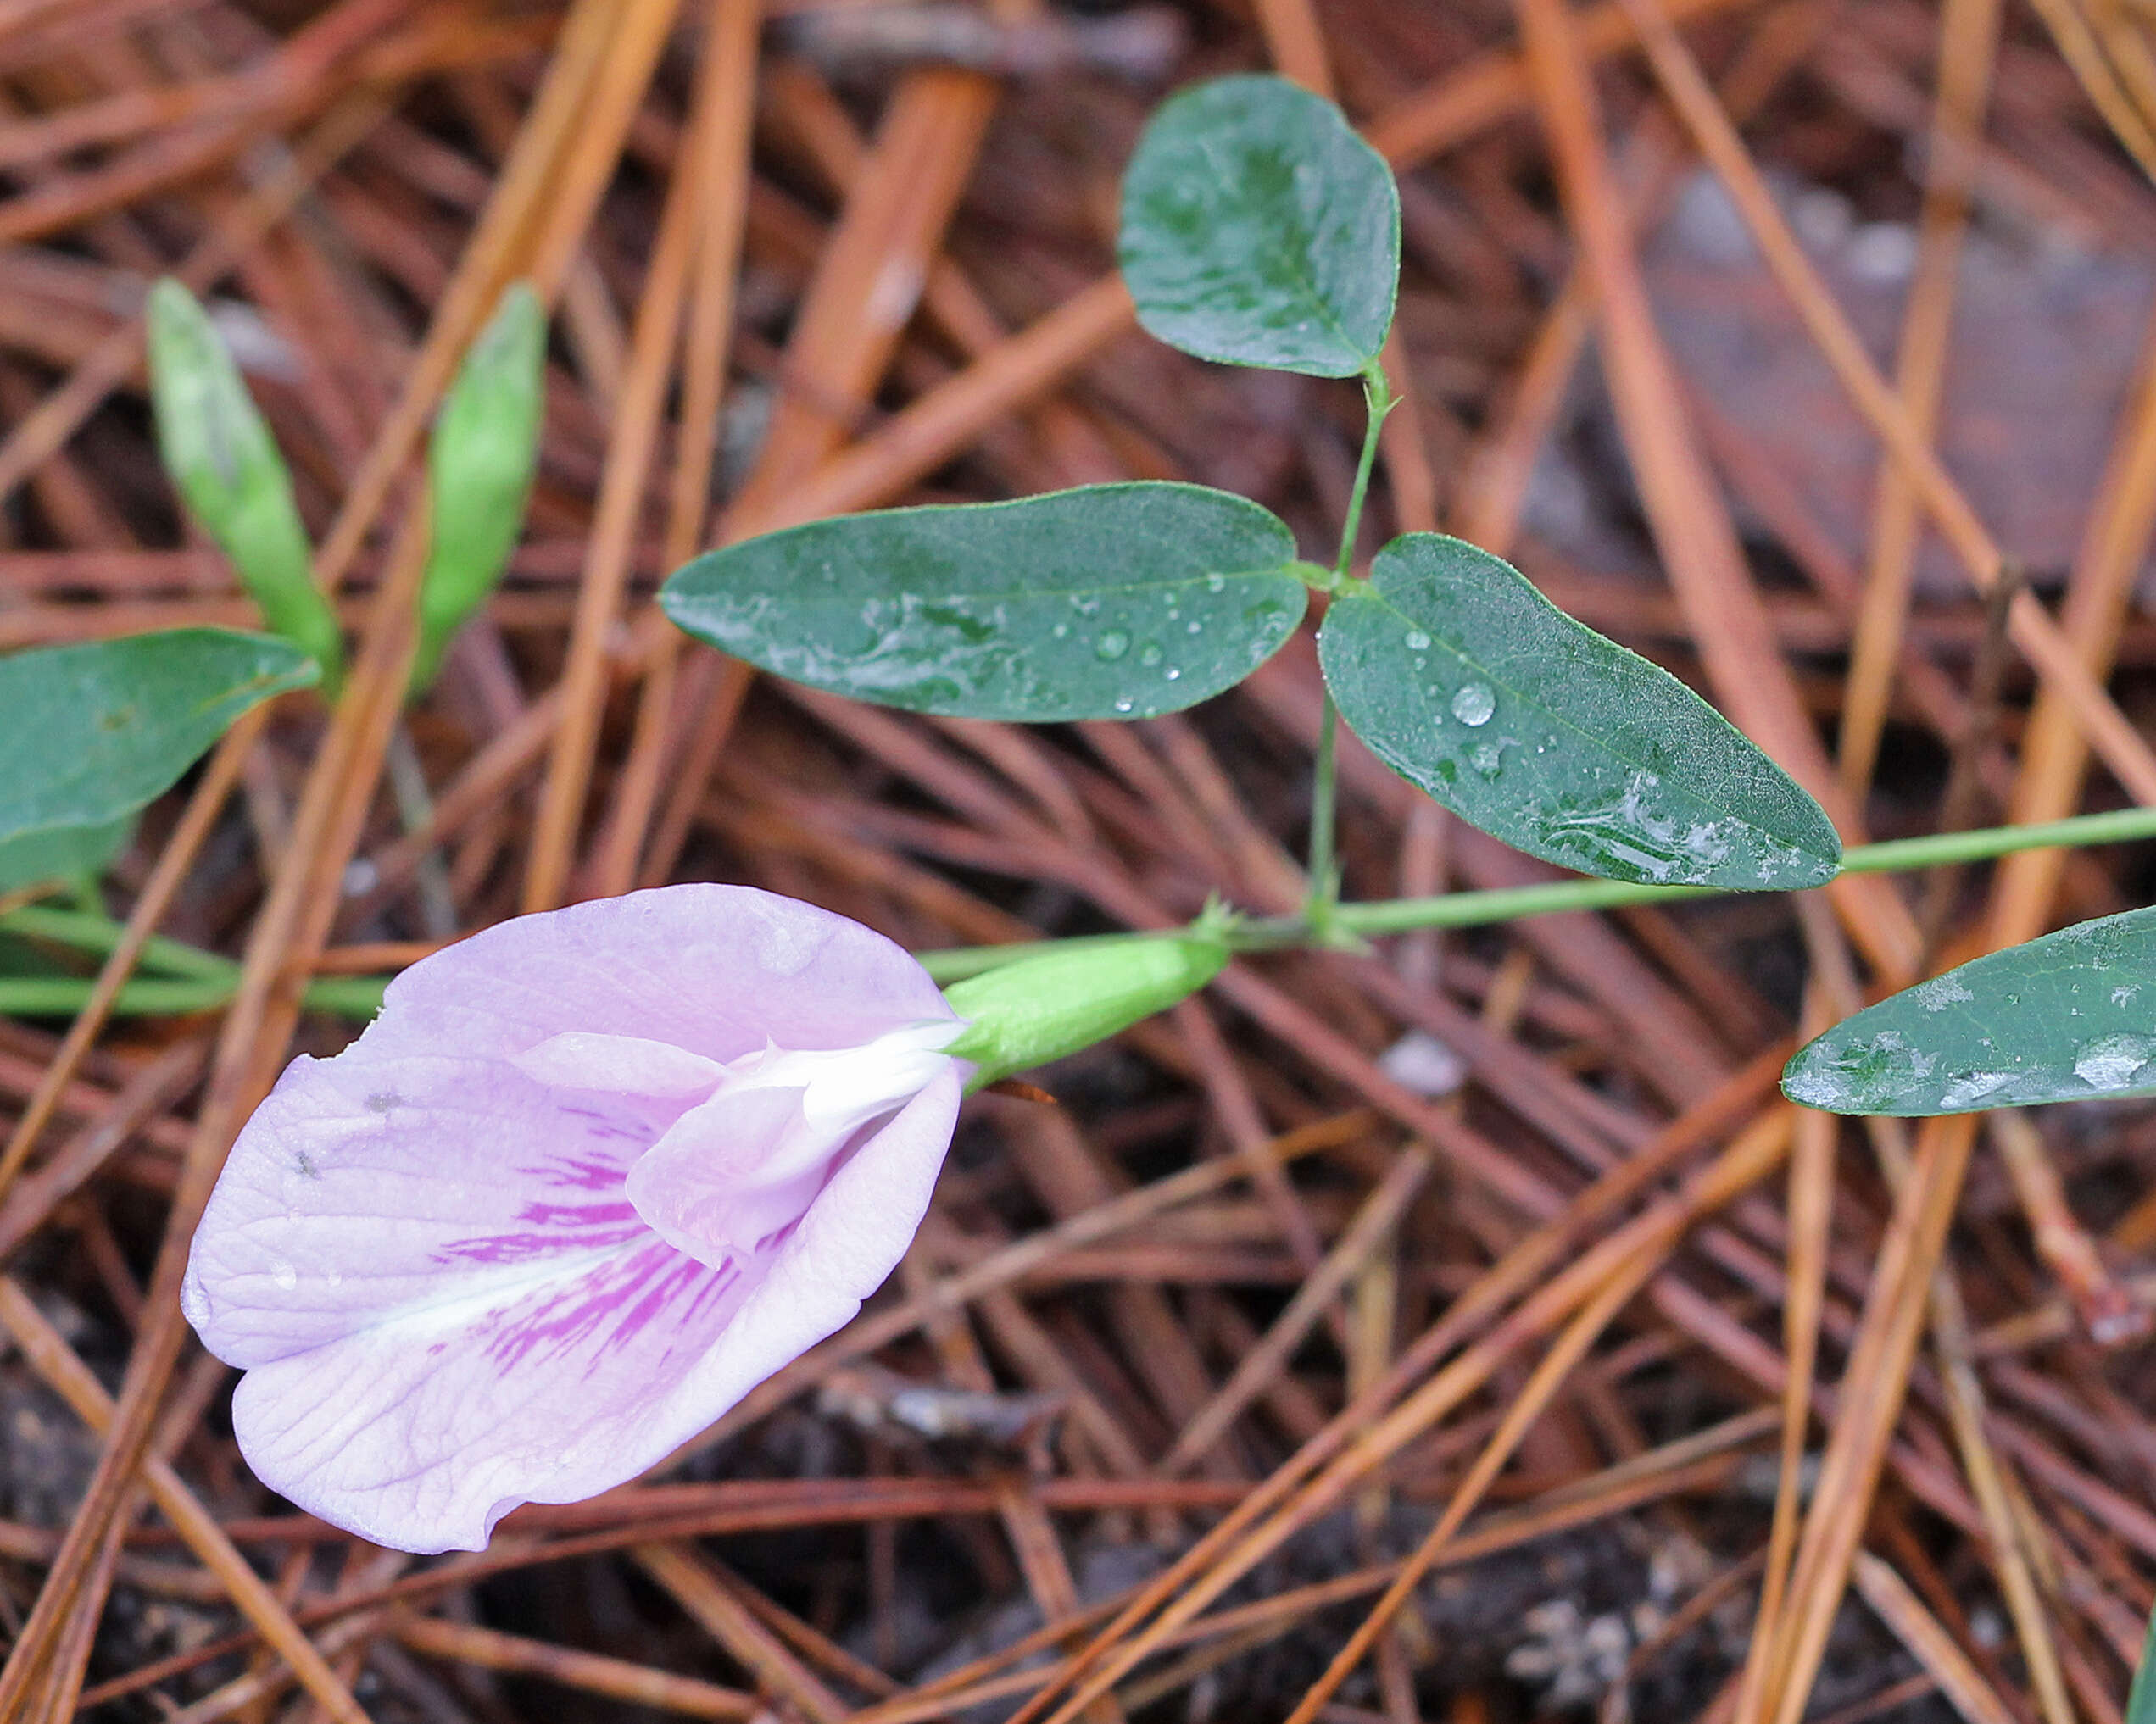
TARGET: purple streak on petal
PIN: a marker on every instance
(618, 1302)
(566, 1173)
(553, 1229)
(602, 1126)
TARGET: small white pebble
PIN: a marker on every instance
(1822, 218)
(1423, 1064)
(1883, 253)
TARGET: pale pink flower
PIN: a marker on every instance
(590, 1177)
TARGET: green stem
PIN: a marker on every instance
(198, 980)
(1468, 909)
(1377, 402)
(1324, 867)
(84, 933)
(193, 980)
(1324, 892)
(64, 996)
(1463, 910)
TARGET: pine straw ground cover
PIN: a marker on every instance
(1701, 1407)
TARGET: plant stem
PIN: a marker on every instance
(83, 932)
(415, 808)
(1378, 401)
(1325, 893)
(1465, 909)
(1462, 909)
(64, 996)
(198, 980)
(1324, 867)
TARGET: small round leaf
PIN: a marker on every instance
(1259, 230)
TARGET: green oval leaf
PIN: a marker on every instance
(1111, 601)
(480, 467)
(62, 853)
(2140, 1698)
(1468, 682)
(1259, 230)
(223, 461)
(113, 723)
(2065, 1018)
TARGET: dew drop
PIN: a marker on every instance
(1417, 641)
(286, 1276)
(1174, 673)
(1475, 703)
(1124, 705)
(1216, 582)
(1150, 654)
(2113, 1062)
(1111, 646)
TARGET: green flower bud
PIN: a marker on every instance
(1038, 1010)
(480, 467)
(226, 465)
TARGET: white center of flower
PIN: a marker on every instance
(842, 1088)
(758, 1135)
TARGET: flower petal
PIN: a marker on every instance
(628, 1065)
(863, 1220)
(697, 1187)
(420, 1426)
(366, 1184)
(720, 970)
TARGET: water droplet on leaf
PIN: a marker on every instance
(1475, 703)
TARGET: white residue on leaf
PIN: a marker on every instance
(1940, 992)
(1972, 1086)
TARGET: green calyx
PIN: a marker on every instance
(481, 465)
(1040, 1009)
(225, 466)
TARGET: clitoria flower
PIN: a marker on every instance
(590, 1177)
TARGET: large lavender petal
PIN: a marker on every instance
(720, 970)
(364, 1186)
(425, 1421)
